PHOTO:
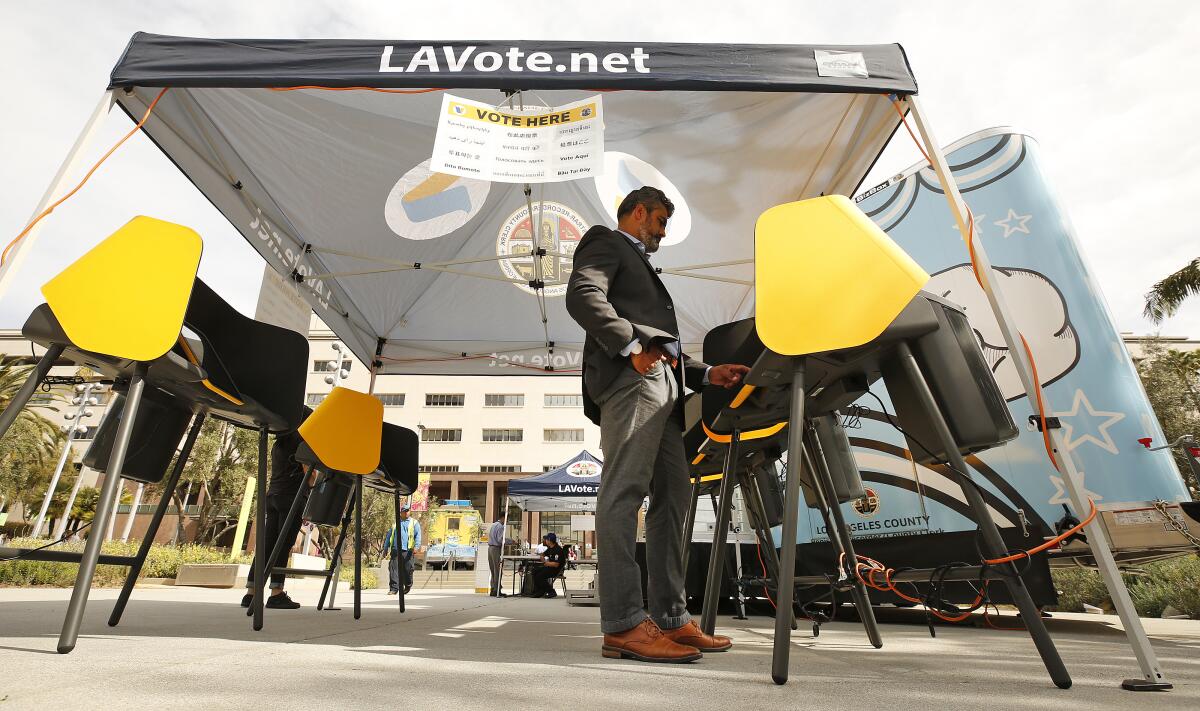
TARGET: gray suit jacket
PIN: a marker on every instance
(616, 296)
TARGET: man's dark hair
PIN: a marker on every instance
(650, 197)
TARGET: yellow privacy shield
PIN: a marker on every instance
(345, 431)
(145, 271)
(826, 277)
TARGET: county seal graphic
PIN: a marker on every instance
(559, 234)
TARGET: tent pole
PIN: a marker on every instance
(500, 578)
(1152, 674)
(68, 167)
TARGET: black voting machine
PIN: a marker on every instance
(947, 403)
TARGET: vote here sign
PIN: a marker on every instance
(534, 145)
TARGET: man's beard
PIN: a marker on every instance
(650, 241)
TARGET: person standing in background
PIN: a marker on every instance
(410, 541)
(495, 538)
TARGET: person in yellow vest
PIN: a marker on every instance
(410, 540)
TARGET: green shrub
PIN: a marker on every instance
(369, 578)
(163, 561)
(1174, 582)
(1077, 587)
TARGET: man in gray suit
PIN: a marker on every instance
(633, 377)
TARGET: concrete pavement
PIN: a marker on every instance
(194, 647)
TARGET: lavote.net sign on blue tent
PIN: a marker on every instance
(571, 487)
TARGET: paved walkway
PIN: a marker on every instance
(193, 648)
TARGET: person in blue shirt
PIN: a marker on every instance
(410, 540)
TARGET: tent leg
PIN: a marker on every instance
(716, 556)
(161, 510)
(500, 577)
(1152, 675)
(94, 123)
(791, 518)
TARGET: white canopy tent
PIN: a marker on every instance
(315, 151)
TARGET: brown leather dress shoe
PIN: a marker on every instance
(691, 635)
(647, 643)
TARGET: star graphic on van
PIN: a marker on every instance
(1021, 223)
(1060, 495)
(978, 222)
(1082, 420)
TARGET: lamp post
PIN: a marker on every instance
(334, 380)
(83, 399)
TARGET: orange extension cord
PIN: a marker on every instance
(64, 198)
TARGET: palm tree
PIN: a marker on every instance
(31, 443)
(1165, 297)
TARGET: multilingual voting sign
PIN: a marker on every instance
(538, 145)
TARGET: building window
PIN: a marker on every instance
(563, 435)
(445, 400)
(430, 434)
(550, 467)
(89, 433)
(503, 435)
(391, 399)
(503, 400)
(564, 400)
(314, 399)
(438, 468)
(499, 468)
(329, 366)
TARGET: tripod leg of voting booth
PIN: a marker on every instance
(396, 547)
(112, 480)
(791, 516)
(36, 376)
(689, 523)
(335, 561)
(755, 508)
(258, 603)
(159, 511)
(358, 504)
(716, 555)
(839, 533)
(993, 543)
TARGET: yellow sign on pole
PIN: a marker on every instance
(243, 518)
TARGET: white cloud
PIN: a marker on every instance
(1099, 84)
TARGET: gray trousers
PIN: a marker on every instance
(494, 565)
(394, 570)
(643, 456)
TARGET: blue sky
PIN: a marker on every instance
(1104, 87)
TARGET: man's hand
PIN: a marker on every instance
(644, 361)
(727, 375)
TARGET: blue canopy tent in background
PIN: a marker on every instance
(571, 487)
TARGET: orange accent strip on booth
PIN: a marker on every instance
(699, 458)
(192, 358)
(741, 397)
(750, 434)
(709, 477)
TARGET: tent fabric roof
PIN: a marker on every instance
(162, 60)
(422, 273)
(571, 487)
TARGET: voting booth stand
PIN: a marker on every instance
(425, 198)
